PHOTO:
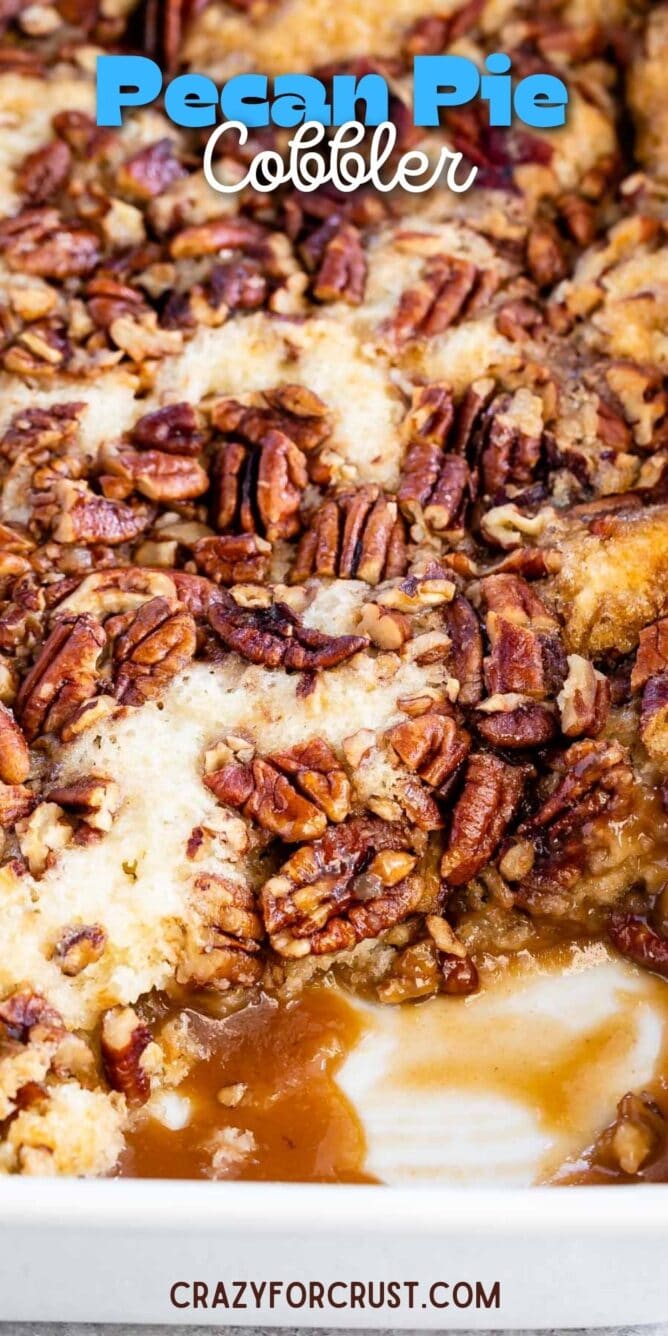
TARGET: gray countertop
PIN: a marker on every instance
(75, 1329)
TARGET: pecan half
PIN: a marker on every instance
(16, 803)
(488, 803)
(432, 745)
(545, 255)
(155, 473)
(353, 883)
(634, 938)
(174, 430)
(514, 723)
(14, 753)
(78, 947)
(150, 171)
(222, 947)
(38, 242)
(259, 489)
(466, 652)
(341, 273)
(44, 171)
(447, 290)
(277, 637)
(123, 1042)
(294, 410)
(157, 644)
(654, 717)
(64, 675)
(293, 794)
(233, 558)
(652, 655)
(355, 535)
(527, 653)
(84, 517)
(435, 487)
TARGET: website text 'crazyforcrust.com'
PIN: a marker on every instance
(267, 1295)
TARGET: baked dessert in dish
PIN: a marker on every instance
(334, 562)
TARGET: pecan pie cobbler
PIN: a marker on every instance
(334, 570)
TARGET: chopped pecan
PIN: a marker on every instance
(84, 517)
(63, 676)
(293, 794)
(154, 647)
(489, 800)
(436, 487)
(584, 699)
(634, 938)
(385, 628)
(43, 835)
(123, 1042)
(259, 490)
(341, 889)
(654, 717)
(220, 234)
(238, 285)
(652, 656)
(432, 415)
(92, 798)
(341, 273)
(637, 1135)
(422, 970)
(353, 535)
(14, 753)
(155, 473)
(460, 977)
(277, 637)
(527, 653)
(233, 558)
(513, 723)
(466, 653)
(433, 746)
(44, 172)
(78, 947)
(26, 1016)
(222, 947)
(174, 430)
(150, 171)
(446, 291)
(545, 256)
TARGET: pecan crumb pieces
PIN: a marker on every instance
(124, 1040)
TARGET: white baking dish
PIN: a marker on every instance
(111, 1251)
(577, 1256)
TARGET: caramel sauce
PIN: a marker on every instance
(303, 1127)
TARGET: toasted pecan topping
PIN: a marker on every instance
(466, 653)
(156, 644)
(341, 272)
(78, 947)
(14, 753)
(123, 1041)
(432, 745)
(326, 897)
(513, 723)
(174, 430)
(233, 558)
(26, 1016)
(584, 699)
(92, 798)
(222, 947)
(293, 794)
(353, 535)
(652, 656)
(638, 941)
(447, 290)
(527, 653)
(63, 676)
(259, 489)
(276, 636)
(488, 803)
